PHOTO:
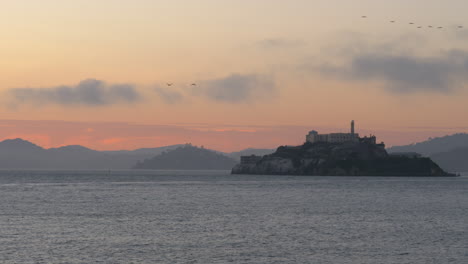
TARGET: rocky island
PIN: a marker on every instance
(339, 154)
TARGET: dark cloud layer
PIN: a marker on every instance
(237, 88)
(89, 92)
(403, 73)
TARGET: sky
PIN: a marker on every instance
(95, 73)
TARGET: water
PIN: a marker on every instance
(213, 217)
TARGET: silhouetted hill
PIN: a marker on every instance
(126, 159)
(22, 154)
(18, 153)
(18, 145)
(188, 158)
(454, 160)
(249, 152)
(435, 145)
(78, 157)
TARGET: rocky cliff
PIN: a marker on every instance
(348, 159)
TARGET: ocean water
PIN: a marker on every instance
(214, 217)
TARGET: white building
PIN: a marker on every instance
(314, 136)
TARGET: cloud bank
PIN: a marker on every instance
(443, 73)
(89, 92)
(401, 64)
(237, 88)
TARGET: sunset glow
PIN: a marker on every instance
(243, 73)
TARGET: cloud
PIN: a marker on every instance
(401, 73)
(168, 96)
(237, 88)
(401, 63)
(89, 92)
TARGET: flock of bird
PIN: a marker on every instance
(391, 21)
(429, 26)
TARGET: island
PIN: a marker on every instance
(187, 157)
(339, 154)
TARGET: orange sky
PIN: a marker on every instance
(266, 71)
(118, 136)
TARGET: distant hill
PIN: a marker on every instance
(13, 146)
(249, 152)
(455, 160)
(435, 145)
(18, 153)
(188, 158)
(22, 154)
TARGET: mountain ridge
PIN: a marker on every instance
(22, 154)
(434, 145)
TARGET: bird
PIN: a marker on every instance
(460, 26)
(169, 84)
(440, 27)
(419, 27)
(364, 16)
(194, 84)
(411, 23)
(392, 21)
(429, 26)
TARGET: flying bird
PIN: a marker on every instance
(392, 21)
(460, 26)
(419, 27)
(440, 27)
(364, 16)
(429, 26)
(169, 84)
(411, 23)
(194, 84)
